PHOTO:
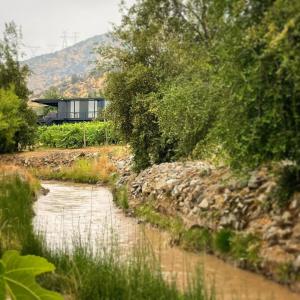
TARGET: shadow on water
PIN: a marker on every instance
(87, 213)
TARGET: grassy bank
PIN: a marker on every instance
(83, 274)
(81, 171)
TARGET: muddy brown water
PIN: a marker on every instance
(72, 211)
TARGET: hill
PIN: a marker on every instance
(66, 67)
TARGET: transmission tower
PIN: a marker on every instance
(75, 37)
(64, 38)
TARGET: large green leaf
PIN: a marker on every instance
(18, 275)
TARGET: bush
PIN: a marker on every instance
(288, 183)
(73, 135)
(196, 239)
(245, 248)
(222, 240)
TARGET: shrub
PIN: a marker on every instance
(196, 239)
(222, 240)
(245, 248)
(121, 197)
(288, 183)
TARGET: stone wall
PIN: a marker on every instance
(213, 198)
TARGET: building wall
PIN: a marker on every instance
(64, 109)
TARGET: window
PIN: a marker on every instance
(92, 113)
(74, 110)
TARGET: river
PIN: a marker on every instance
(87, 213)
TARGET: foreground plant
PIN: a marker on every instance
(17, 277)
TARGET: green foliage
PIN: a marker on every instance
(13, 77)
(16, 198)
(196, 239)
(288, 183)
(82, 171)
(245, 248)
(207, 78)
(222, 240)
(121, 197)
(18, 277)
(105, 275)
(10, 120)
(72, 135)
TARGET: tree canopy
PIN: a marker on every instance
(15, 115)
(207, 78)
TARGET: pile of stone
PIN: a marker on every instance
(212, 197)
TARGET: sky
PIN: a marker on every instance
(44, 23)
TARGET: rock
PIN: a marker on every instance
(291, 247)
(229, 220)
(271, 235)
(286, 218)
(204, 204)
(195, 210)
(284, 233)
(296, 263)
(44, 191)
(296, 232)
(254, 181)
(294, 204)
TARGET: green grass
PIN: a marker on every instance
(107, 276)
(82, 171)
(16, 199)
(196, 239)
(120, 197)
(85, 275)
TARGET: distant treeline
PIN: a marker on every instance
(207, 79)
(76, 135)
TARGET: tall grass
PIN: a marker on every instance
(17, 192)
(82, 171)
(84, 274)
(109, 274)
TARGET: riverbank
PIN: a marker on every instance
(238, 217)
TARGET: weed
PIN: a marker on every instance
(121, 197)
(196, 239)
(245, 248)
(288, 183)
(222, 240)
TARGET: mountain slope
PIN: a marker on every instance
(55, 68)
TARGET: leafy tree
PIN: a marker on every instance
(10, 121)
(201, 77)
(13, 75)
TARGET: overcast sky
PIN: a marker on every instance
(44, 21)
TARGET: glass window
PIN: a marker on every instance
(74, 109)
(92, 113)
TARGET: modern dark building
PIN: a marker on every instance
(72, 109)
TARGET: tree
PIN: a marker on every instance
(13, 76)
(10, 121)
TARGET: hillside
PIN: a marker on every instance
(65, 67)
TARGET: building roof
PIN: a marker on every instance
(54, 101)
